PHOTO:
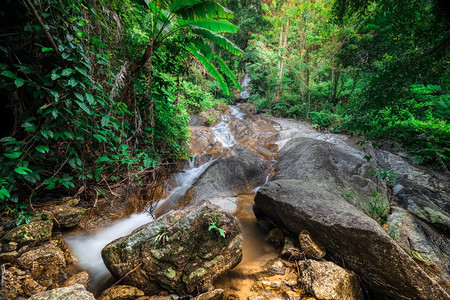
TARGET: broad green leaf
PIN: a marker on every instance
(22, 170)
(218, 26)
(79, 96)
(105, 121)
(55, 76)
(4, 193)
(210, 68)
(226, 70)
(13, 155)
(72, 82)
(9, 74)
(217, 39)
(90, 98)
(46, 49)
(210, 9)
(66, 72)
(55, 95)
(84, 107)
(19, 82)
(102, 159)
(100, 138)
(47, 133)
(42, 149)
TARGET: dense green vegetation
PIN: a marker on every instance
(95, 91)
(377, 68)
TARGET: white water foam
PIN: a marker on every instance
(223, 134)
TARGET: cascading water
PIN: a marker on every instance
(236, 112)
(222, 133)
(245, 82)
(87, 247)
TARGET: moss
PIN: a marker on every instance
(170, 273)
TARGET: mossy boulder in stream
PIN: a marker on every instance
(181, 252)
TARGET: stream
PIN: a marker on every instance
(87, 246)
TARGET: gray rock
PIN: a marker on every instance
(73, 292)
(238, 174)
(333, 167)
(311, 247)
(179, 252)
(422, 243)
(431, 206)
(326, 280)
(348, 235)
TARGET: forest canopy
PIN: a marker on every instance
(97, 93)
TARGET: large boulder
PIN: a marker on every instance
(348, 235)
(237, 174)
(181, 252)
(339, 169)
(73, 292)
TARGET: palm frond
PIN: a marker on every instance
(210, 68)
(217, 39)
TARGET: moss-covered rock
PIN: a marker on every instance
(181, 252)
(34, 232)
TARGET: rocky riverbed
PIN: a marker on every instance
(332, 218)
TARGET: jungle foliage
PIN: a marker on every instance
(96, 92)
(377, 68)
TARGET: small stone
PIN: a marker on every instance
(216, 294)
(73, 292)
(121, 292)
(80, 278)
(292, 295)
(326, 280)
(46, 255)
(290, 251)
(8, 257)
(310, 246)
(273, 285)
(277, 268)
(71, 201)
(11, 246)
(64, 216)
(31, 287)
(233, 297)
(276, 236)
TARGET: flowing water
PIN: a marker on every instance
(87, 246)
(245, 82)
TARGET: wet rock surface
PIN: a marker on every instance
(332, 167)
(237, 174)
(34, 232)
(345, 231)
(73, 292)
(121, 292)
(180, 252)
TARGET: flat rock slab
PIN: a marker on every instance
(348, 235)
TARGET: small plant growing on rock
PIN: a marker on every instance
(213, 219)
(162, 236)
(378, 210)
